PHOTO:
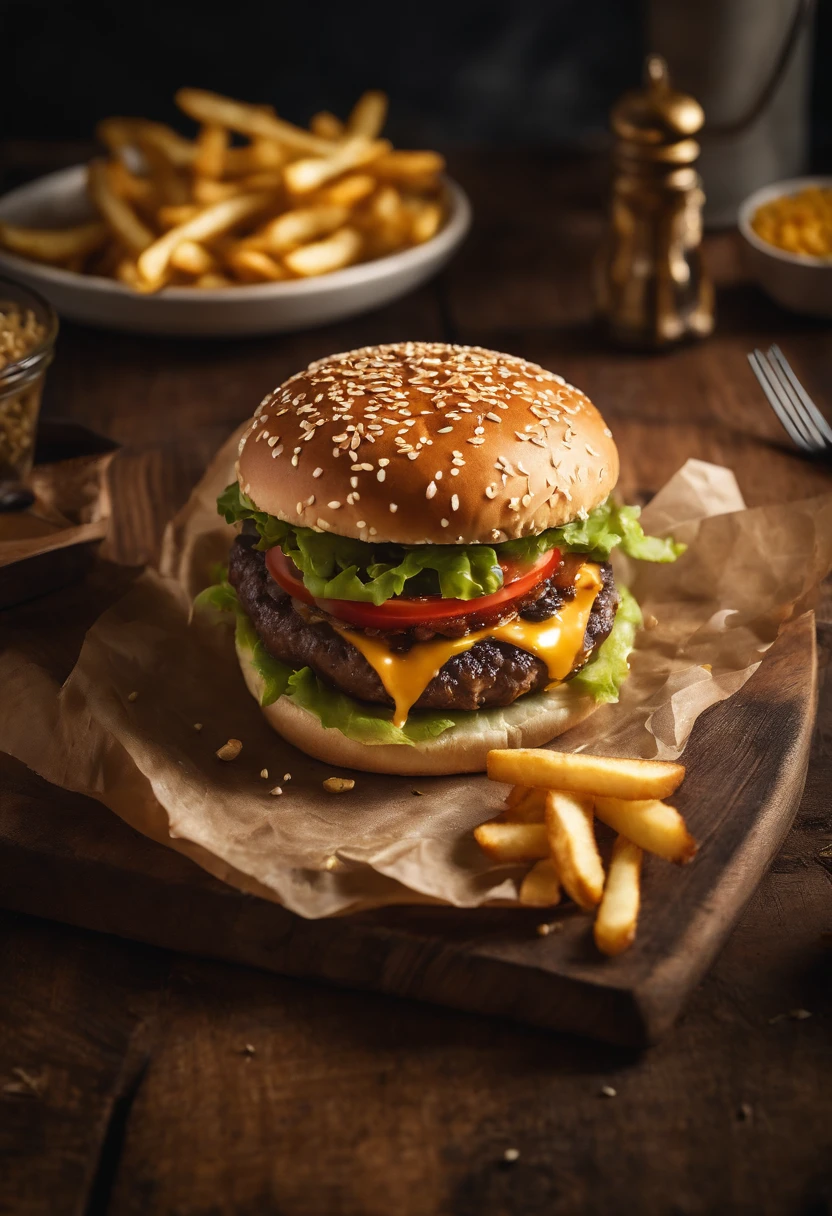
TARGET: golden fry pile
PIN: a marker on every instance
(798, 223)
(549, 820)
(285, 204)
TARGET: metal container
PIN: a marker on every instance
(650, 286)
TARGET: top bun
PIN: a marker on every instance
(426, 443)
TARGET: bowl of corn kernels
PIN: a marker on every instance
(787, 234)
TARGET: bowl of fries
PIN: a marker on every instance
(254, 226)
(787, 235)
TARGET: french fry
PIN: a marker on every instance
(260, 155)
(211, 222)
(309, 173)
(127, 273)
(617, 916)
(347, 192)
(606, 776)
(117, 134)
(171, 184)
(571, 838)
(207, 191)
(211, 150)
(129, 185)
(652, 825)
(426, 222)
(516, 794)
(513, 842)
(170, 216)
(254, 266)
(54, 246)
(326, 125)
(403, 166)
(117, 214)
(530, 808)
(299, 227)
(369, 114)
(212, 281)
(193, 258)
(541, 886)
(249, 120)
(322, 257)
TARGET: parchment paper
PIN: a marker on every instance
(711, 617)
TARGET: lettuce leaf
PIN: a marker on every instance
(609, 667)
(364, 723)
(341, 568)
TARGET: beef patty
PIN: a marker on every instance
(491, 673)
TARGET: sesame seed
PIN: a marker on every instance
(490, 492)
(334, 505)
(445, 430)
(443, 523)
(455, 502)
(276, 792)
(393, 508)
(383, 462)
(264, 773)
(317, 472)
(132, 696)
(380, 475)
(431, 490)
(299, 508)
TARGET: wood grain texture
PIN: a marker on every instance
(355, 1103)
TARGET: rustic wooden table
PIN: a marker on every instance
(156, 1083)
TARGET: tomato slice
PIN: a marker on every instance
(403, 613)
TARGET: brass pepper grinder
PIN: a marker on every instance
(651, 288)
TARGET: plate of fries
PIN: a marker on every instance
(549, 822)
(253, 226)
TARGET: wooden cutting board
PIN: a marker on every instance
(66, 857)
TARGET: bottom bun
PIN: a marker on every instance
(529, 722)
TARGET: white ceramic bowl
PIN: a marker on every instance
(60, 198)
(798, 282)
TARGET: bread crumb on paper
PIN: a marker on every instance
(338, 785)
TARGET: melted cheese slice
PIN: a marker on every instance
(557, 641)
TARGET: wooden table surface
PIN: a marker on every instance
(136, 1081)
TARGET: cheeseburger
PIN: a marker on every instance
(422, 572)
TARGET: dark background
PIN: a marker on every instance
(457, 71)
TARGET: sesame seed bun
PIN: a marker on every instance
(426, 443)
(530, 721)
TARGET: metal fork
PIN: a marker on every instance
(800, 417)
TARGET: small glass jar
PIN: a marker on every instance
(27, 320)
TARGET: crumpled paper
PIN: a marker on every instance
(710, 618)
